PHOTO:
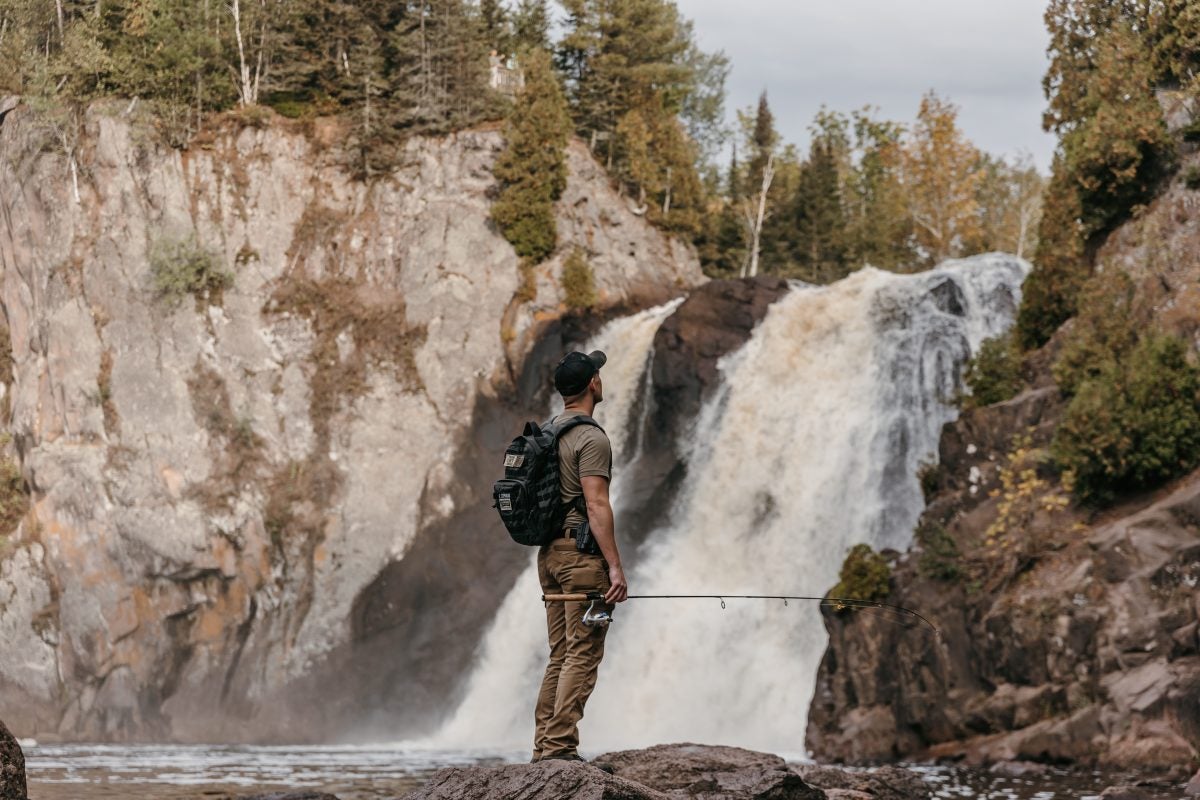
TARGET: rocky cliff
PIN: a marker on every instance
(219, 500)
(1068, 635)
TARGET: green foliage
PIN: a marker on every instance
(578, 281)
(392, 66)
(940, 557)
(1118, 154)
(994, 373)
(1104, 333)
(637, 83)
(183, 266)
(865, 575)
(1192, 179)
(1060, 267)
(1135, 424)
(14, 496)
(532, 169)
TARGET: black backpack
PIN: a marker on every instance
(529, 497)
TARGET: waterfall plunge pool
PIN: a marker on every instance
(374, 772)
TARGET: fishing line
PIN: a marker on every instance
(901, 614)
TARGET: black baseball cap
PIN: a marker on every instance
(576, 369)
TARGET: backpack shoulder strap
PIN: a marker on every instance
(557, 429)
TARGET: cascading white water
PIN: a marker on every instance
(811, 445)
(516, 656)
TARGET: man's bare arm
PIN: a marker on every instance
(600, 517)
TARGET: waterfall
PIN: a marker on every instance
(514, 649)
(812, 444)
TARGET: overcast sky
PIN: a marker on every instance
(987, 56)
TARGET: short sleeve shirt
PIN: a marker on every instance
(583, 452)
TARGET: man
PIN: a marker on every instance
(585, 468)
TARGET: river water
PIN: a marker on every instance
(373, 772)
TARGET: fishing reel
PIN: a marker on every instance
(597, 616)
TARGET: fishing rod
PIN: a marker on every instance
(599, 616)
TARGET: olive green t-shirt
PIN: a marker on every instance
(583, 452)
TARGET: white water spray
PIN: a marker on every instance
(811, 445)
(514, 650)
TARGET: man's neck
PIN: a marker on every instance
(585, 406)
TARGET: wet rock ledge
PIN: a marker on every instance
(672, 772)
(12, 767)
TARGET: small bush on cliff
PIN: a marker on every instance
(1135, 424)
(183, 266)
(994, 374)
(1192, 179)
(578, 282)
(939, 553)
(865, 575)
(1104, 332)
(14, 496)
(532, 169)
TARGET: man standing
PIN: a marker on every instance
(585, 468)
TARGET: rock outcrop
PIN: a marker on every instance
(678, 771)
(711, 773)
(1070, 643)
(12, 767)
(218, 484)
(547, 780)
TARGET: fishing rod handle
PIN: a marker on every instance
(578, 597)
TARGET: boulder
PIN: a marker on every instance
(547, 780)
(1193, 786)
(289, 796)
(12, 767)
(884, 783)
(711, 773)
(1125, 793)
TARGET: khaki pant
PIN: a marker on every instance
(575, 649)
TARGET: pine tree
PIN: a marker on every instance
(531, 25)
(1060, 266)
(879, 224)
(532, 169)
(496, 26)
(819, 243)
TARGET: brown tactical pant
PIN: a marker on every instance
(575, 649)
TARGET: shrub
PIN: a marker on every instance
(939, 553)
(994, 373)
(1105, 331)
(865, 575)
(1060, 265)
(1192, 179)
(1191, 131)
(14, 496)
(1135, 424)
(183, 266)
(578, 282)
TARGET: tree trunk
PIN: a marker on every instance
(244, 73)
(768, 176)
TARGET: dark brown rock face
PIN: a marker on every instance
(12, 767)
(712, 773)
(548, 780)
(1066, 636)
(673, 772)
(885, 783)
(714, 320)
